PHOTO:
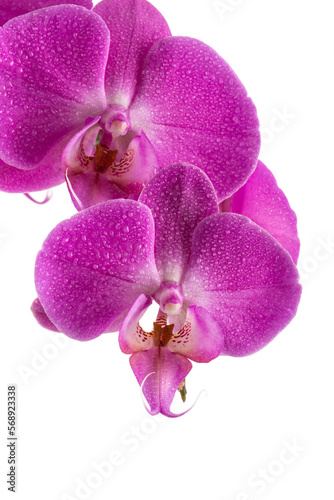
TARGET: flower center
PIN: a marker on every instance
(172, 309)
(162, 333)
(114, 122)
(119, 128)
(107, 159)
(112, 139)
(170, 298)
(104, 158)
(102, 146)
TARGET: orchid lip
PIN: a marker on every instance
(164, 411)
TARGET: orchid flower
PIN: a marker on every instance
(107, 97)
(223, 284)
(14, 8)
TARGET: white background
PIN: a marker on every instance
(84, 407)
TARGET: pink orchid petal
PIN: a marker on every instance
(201, 338)
(15, 180)
(134, 26)
(42, 319)
(116, 325)
(93, 266)
(179, 196)
(194, 109)
(243, 277)
(166, 371)
(14, 8)
(264, 202)
(131, 337)
(48, 174)
(51, 79)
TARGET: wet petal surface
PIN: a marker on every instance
(51, 79)
(179, 196)
(134, 26)
(14, 8)
(194, 109)
(241, 275)
(48, 174)
(264, 202)
(93, 266)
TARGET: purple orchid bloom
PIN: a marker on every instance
(107, 97)
(14, 8)
(223, 284)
